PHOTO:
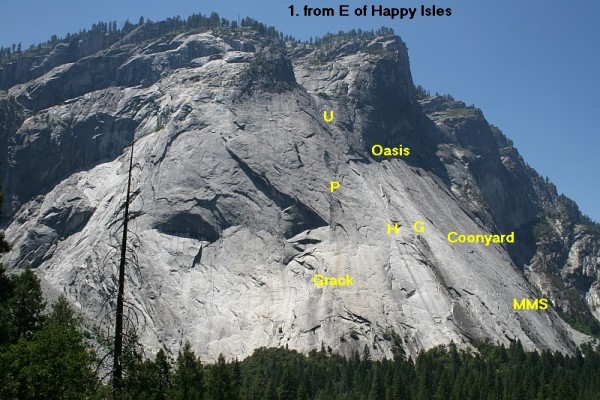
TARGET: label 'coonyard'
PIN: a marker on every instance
(455, 237)
(398, 151)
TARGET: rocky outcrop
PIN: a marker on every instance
(232, 215)
(556, 246)
(64, 52)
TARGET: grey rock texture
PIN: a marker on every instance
(558, 247)
(232, 213)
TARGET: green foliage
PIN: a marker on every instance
(4, 245)
(6, 286)
(108, 33)
(545, 231)
(377, 391)
(270, 72)
(188, 378)
(219, 385)
(6, 293)
(328, 47)
(579, 317)
(54, 364)
(582, 321)
(462, 112)
(134, 369)
(549, 241)
(331, 39)
(421, 92)
(62, 313)
(154, 378)
(46, 357)
(508, 142)
(448, 97)
(25, 307)
(40, 357)
(492, 372)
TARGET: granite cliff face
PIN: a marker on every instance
(232, 212)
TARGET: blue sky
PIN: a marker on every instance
(532, 66)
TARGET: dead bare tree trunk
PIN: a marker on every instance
(118, 355)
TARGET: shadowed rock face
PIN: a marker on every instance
(232, 214)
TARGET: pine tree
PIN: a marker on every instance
(54, 364)
(6, 284)
(376, 392)
(219, 382)
(6, 292)
(4, 245)
(236, 378)
(189, 376)
(398, 391)
(423, 366)
(443, 386)
(127, 26)
(26, 306)
(163, 374)
(132, 364)
(270, 391)
(301, 393)
(62, 313)
(287, 388)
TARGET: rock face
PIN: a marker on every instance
(232, 212)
